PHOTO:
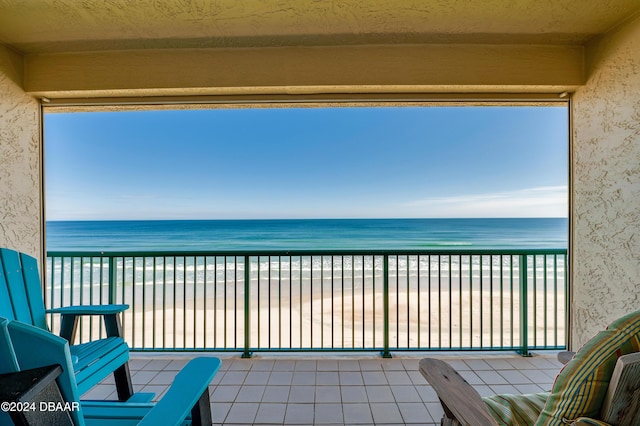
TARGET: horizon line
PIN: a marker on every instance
(306, 218)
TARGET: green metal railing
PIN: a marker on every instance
(321, 300)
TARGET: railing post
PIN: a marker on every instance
(524, 307)
(247, 309)
(385, 308)
(112, 280)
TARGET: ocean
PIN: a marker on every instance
(307, 234)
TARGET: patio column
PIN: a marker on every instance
(20, 160)
(606, 184)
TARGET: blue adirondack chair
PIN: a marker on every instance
(186, 402)
(21, 299)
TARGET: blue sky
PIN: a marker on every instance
(307, 163)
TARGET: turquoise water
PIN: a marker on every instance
(302, 234)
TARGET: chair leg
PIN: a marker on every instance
(122, 375)
(124, 386)
(68, 327)
(201, 412)
(448, 419)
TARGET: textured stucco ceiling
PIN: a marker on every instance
(41, 26)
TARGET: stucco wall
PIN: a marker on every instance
(20, 200)
(606, 184)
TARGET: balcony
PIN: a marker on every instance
(314, 323)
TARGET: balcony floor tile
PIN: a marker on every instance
(330, 390)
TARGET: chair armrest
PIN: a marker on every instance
(89, 310)
(70, 314)
(189, 385)
(459, 399)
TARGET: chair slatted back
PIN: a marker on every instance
(20, 289)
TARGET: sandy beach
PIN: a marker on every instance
(328, 316)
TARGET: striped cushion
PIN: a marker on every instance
(580, 387)
(516, 410)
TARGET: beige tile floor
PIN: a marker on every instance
(337, 390)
